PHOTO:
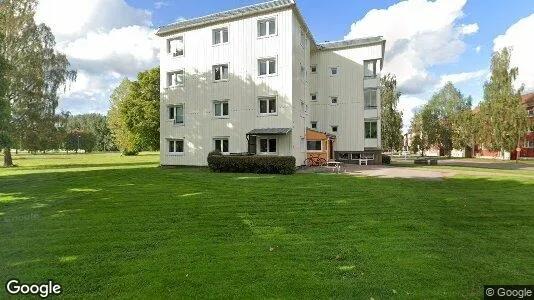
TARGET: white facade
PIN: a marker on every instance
(220, 80)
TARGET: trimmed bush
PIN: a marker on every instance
(251, 164)
(386, 159)
(127, 152)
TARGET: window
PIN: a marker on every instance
(267, 145)
(369, 68)
(333, 100)
(266, 27)
(334, 128)
(220, 36)
(267, 106)
(370, 98)
(314, 146)
(176, 146)
(355, 156)
(313, 97)
(175, 78)
(176, 113)
(314, 124)
(530, 112)
(303, 39)
(221, 144)
(266, 66)
(313, 69)
(220, 72)
(302, 73)
(333, 71)
(221, 109)
(175, 46)
(370, 130)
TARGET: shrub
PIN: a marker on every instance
(127, 152)
(386, 159)
(251, 164)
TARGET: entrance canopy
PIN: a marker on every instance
(269, 131)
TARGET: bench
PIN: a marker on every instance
(334, 165)
(364, 161)
(426, 161)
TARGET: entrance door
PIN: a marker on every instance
(252, 144)
(330, 149)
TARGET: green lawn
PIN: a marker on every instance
(106, 226)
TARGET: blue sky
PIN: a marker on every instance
(429, 42)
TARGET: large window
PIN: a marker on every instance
(267, 145)
(266, 66)
(315, 146)
(268, 106)
(220, 72)
(176, 146)
(221, 109)
(175, 46)
(529, 144)
(370, 98)
(370, 129)
(220, 36)
(176, 113)
(175, 78)
(369, 68)
(266, 27)
(221, 144)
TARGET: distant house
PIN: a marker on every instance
(527, 149)
(254, 80)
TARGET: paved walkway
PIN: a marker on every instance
(384, 172)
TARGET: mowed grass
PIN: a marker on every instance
(105, 226)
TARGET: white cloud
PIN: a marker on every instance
(419, 34)
(519, 37)
(105, 41)
(408, 105)
(461, 77)
(160, 4)
(478, 48)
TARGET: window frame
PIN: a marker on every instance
(313, 67)
(331, 74)
(174, 152)
(169, 52)
(268, 139)
(222, 139)
(375, 71)
(220, 32)
(365, 104)
(336, 127)
(268, 113)
(267, 20)
(312, 95)
(312, 150)
(312, 124)
(267, 61)
(332, 100)
(529, 144)
(368, 131)
(169, 78)
(221, 102)
(174, 108)
(221, 66)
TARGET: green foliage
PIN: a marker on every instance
(76, 140)
(386, 159)
(391, 117)
(441, 123)
(36, 75)
(504, 122)
(134, 114)
(251, 163)
(95, 124)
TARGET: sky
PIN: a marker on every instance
(428, 42)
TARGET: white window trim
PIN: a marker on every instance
(221, 102)
(220, 29)
(376, 98)
(267, 59)
(178, 85)
(174, 120)
(267, 113)
(267, 35)
(169, 52)
(365, 132)
(314, 151)
(268, 138)
(175, 153)
(222, 138)
(330, 71)
(219, 65)
(375, 68)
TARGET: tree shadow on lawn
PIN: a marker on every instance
(461, 232)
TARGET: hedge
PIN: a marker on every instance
(251, 163)
(386, 159)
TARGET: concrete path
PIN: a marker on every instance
(384, 172)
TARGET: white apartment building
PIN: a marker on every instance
(254, 80)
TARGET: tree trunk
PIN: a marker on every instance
(8, 160)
